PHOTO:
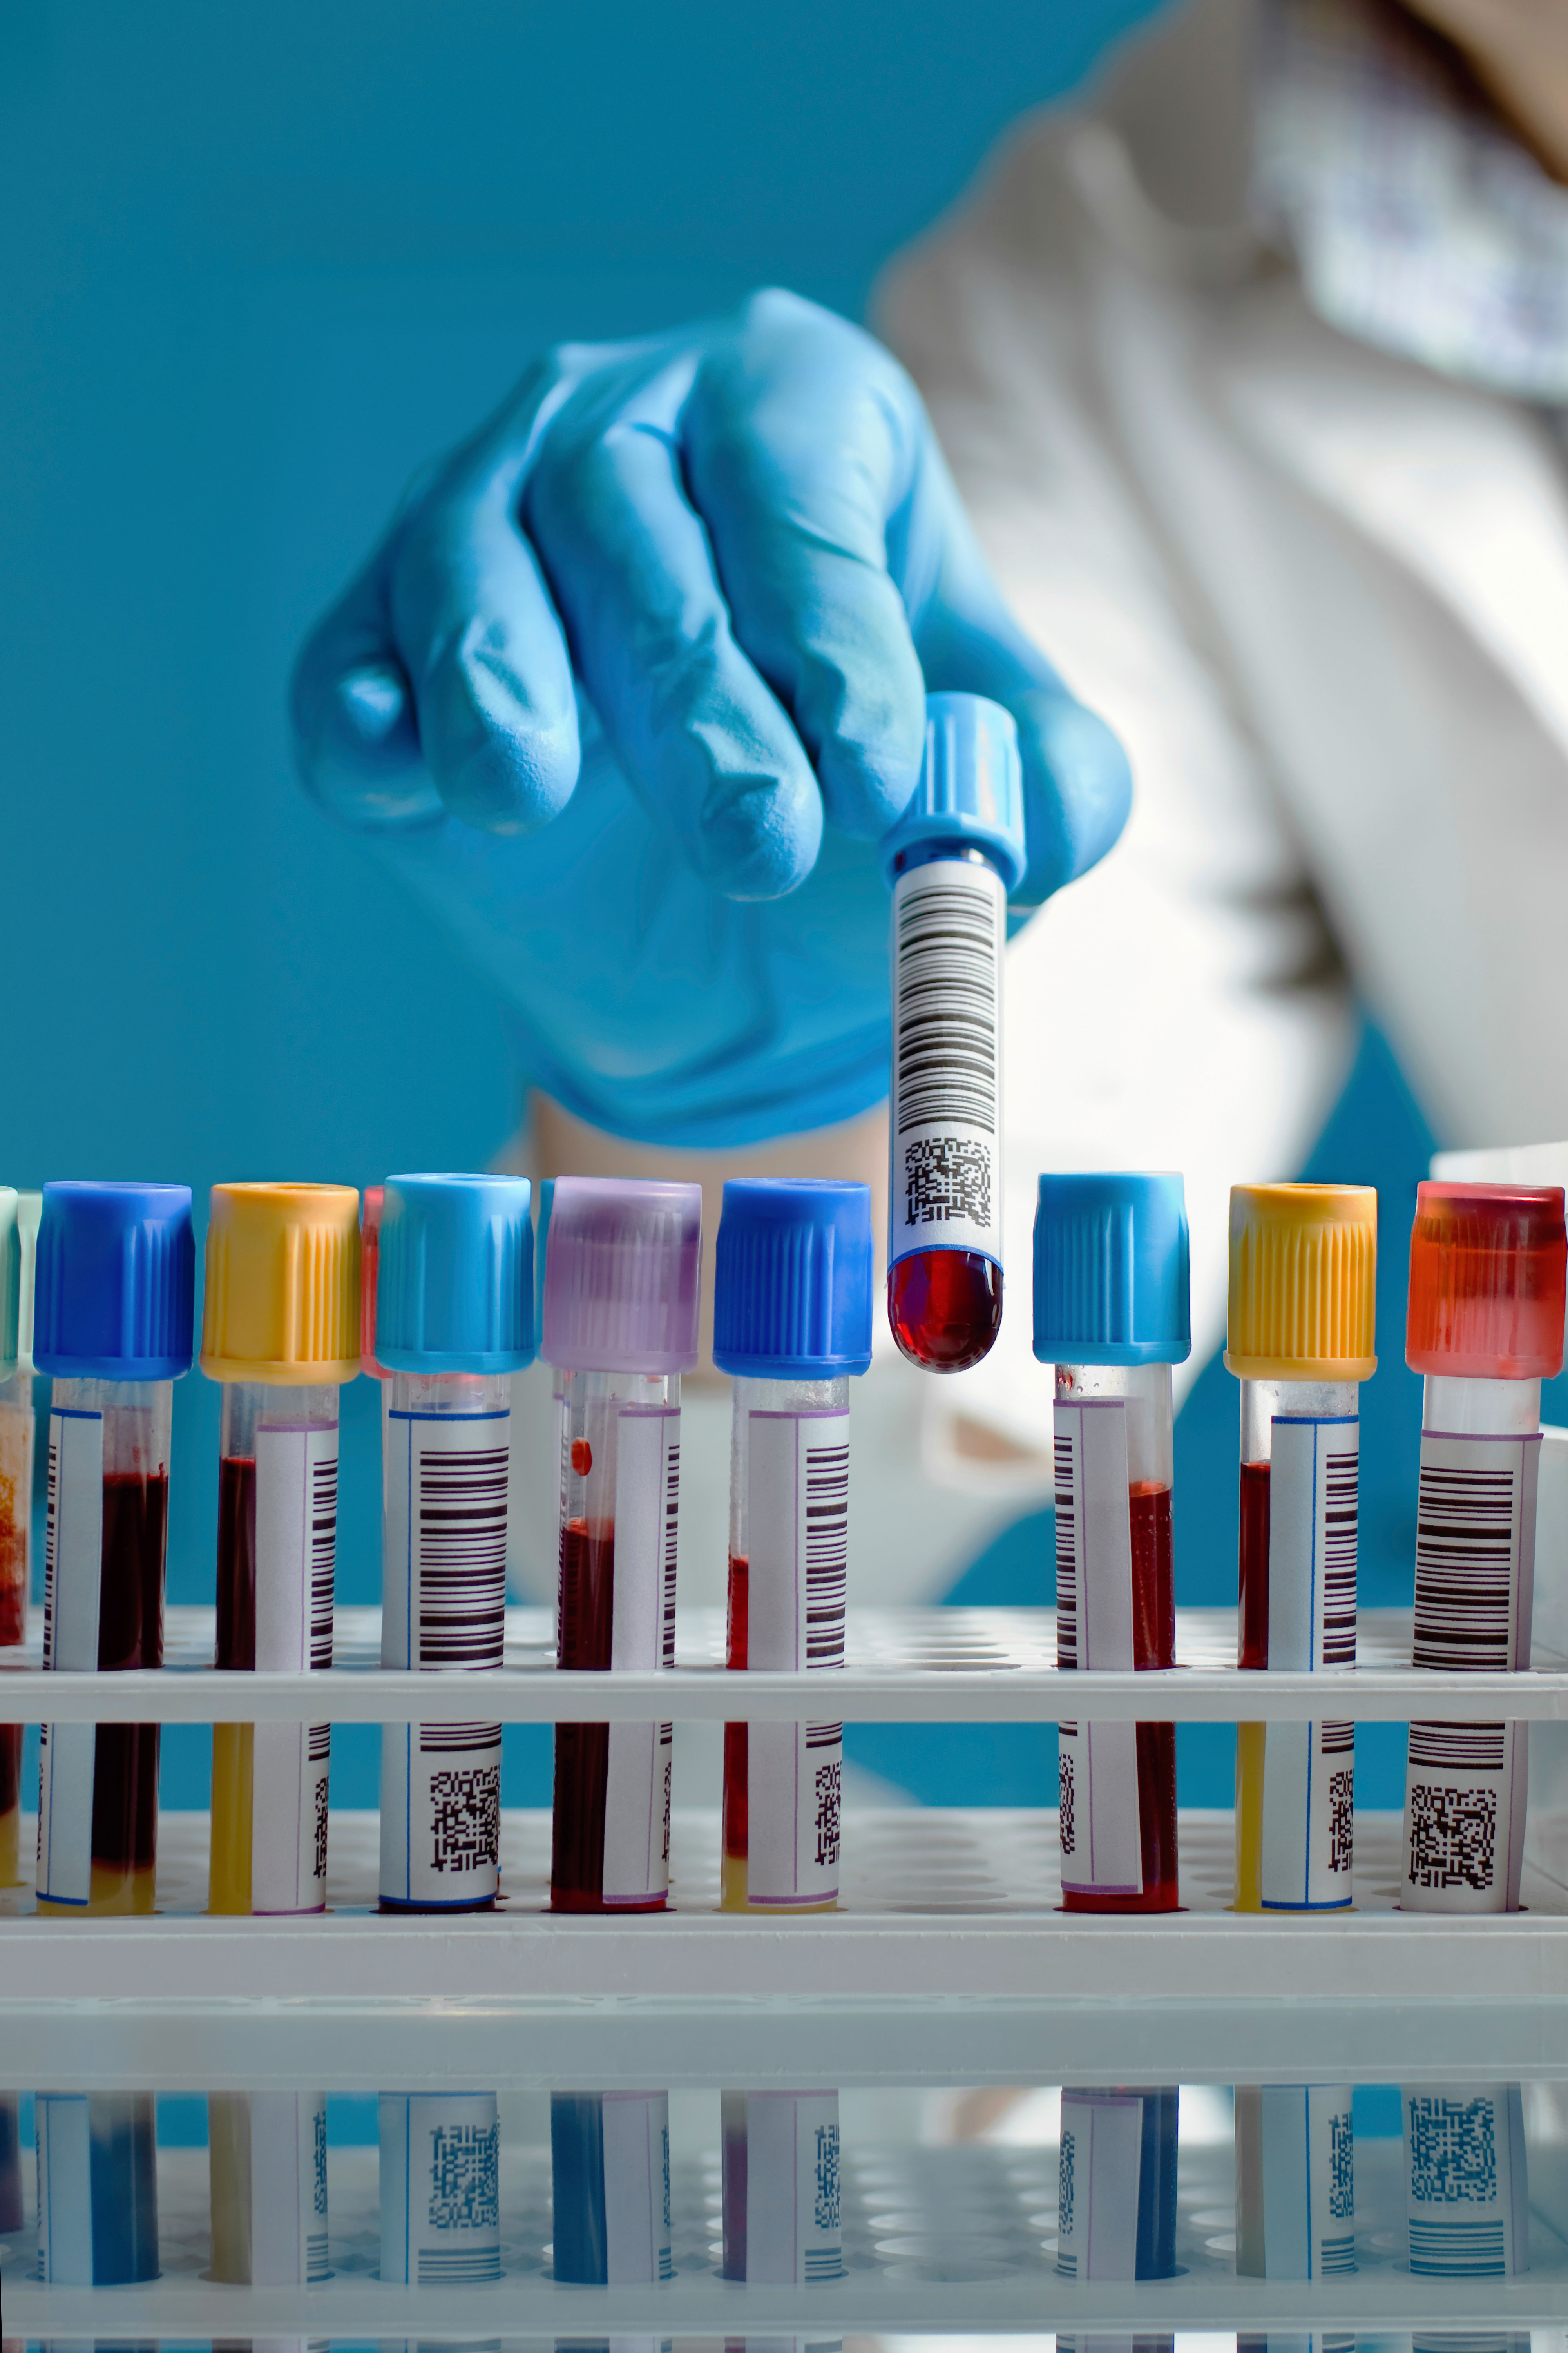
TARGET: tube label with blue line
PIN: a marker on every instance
(1308, 1769)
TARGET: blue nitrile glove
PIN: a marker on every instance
(635, 681)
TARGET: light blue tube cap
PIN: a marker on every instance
(455, 1282)
(971, 788)
(1111, 1281)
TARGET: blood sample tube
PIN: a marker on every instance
(98, 2187)
(15, 1510)
(440, 2190)
(1299, 1334)
(1116, 2205)
(610, 2175)
(454, 1322)
(1466, 2183)
(1488, 1265)
(1111, 1314)
(268, 2170)
(113, 1329)
(620, 1327)
(1295, 2181)
(952, 859)
(781, 2201)
(792, 1321)
(280, 1330)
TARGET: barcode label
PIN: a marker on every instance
(440, 2190)
(798, 1517)
(949, 931)
(1101, 2183)
(642, 1639)
(1101, 1837)
(73, 1580)
(1475, 1575)
(296, 1562)
(444, 1611)
(268, 2167)
(782, 2201)
(1466, 2183)
(1295, 2181)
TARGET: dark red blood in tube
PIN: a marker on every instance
(236, 1562)
(1254, 1578)
(129, 1634)
(582, 1750)
(735, 1788)
(945, 1307)
(1153, 1645)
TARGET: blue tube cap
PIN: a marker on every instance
(792, 1295)
(970, 789)
(455, 1282)
(1111, 1284)
(115, 1284)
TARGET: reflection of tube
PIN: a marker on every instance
(98, 2188)
(280, 1331)
(952, 859)
(792, 1321)
(440, 2194)
(610, 2164)
(454, 1322)
(267, 2158)
(10, 2162)
(116, 1275)
(1295, 2181)
(1299, 1329)
(1116, 2209)
(1466, 2180)
(15, 1513)
(620, 1327)
(1112, 1314)
(1489, 1266)
(782, 2199)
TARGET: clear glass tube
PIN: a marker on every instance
(109, 1506)
(1116, 1610)
(789, 1517)
(446, 1450)
(16, 1583)
(277, 1543)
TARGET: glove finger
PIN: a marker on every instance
(799, 440)
(357, 746)
(697, 731)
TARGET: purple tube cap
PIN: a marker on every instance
(623, 1266)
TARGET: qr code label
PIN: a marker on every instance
(947, 1178)
(464, 2177)
(1065, 1781)
(319, 1849)
(1341, 2167)
(1065, 2177)
(829, 1786)
(464, 1811)
(1453, 2151)
(1341, 1818)
(1453, 1836)
(826, 2211)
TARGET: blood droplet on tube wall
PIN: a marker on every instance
(1112, 1314)
(115, 1285)
(1299, 1334)
(951, 860)
(619, 1326)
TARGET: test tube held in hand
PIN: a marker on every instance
(280, 1331)
(1489, 1266)
(113, 1329)
(619, 1328)
(951, 860)
(1300, 1333)
(1112, 1315)
(792, 1321)
(15, 1512)
(454, 1322)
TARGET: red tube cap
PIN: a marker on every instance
(1489, 1271)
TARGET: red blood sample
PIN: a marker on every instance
(1153, 1645)
(10, 1773)
(945, 1307)
(129, 1634)
(236, 1562)
(582, 1750)
(736, 1819)
(1254, 1564)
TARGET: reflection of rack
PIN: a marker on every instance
(936, 2240)
(934, 1666)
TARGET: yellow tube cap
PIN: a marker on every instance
(1304, 1283)
(282, 1284)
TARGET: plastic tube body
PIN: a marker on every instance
(267, 2167)
(610, 2177)
(104, 1610)
(1465, 1786)
(1295, 2181)
(1294, 1782)
(944, 1247)
(789, 1540)
(781, 2201)
(276, 1554)
(16, 1583)
(98, 2188)
(1116, 1610)
(446, 1447)
(1116, 2209)
(440, 2190)
(620, 1456)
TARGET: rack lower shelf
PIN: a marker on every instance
(938, 1905)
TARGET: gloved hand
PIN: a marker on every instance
(635, 681)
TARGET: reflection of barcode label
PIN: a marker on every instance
(782, 2195)
(949, 929)
(1295, 2181)
(441, 2197)
(1116, 2203)
(1466, 2182)
(610, 2163)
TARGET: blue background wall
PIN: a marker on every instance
(257, 265)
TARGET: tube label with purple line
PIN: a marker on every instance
(1101, 1835)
